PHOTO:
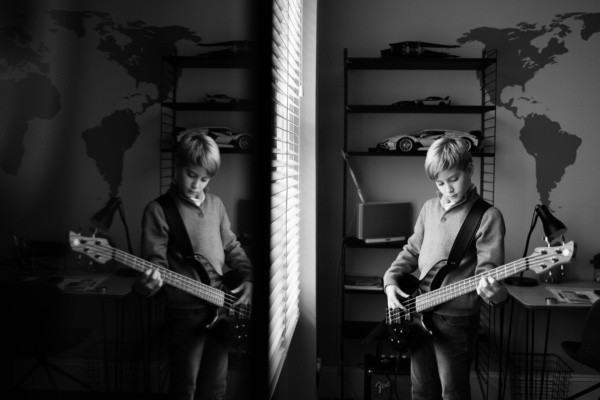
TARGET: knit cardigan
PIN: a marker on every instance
(210, 232)
(433, 237)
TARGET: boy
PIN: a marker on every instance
(441, 364)
(198, 356)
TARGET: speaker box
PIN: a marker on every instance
(384, 382)
(384, 222)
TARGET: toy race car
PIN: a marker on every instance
(416, 49)
(223, 136)
(220, 98)
(428, 101)
(421, 140)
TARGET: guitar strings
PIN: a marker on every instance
(411, 304)
(216, 295)
(139, 264)
(430, 299)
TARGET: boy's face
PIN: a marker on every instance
(192, 180)
(454, 183)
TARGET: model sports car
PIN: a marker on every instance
(421, 140)
(225, 136)
(231, 47)
(416, 49)
(220, 98)
(429, 101)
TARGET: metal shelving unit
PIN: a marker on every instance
(486, 70)
(171, 69)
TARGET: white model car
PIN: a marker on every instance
(421, 140)
(224, 136)
(221, 98)
(428, 101)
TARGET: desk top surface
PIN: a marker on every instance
(85, 283)
(534, 297)
(100, 284)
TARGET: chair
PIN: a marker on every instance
(36, 322)
(587, 352)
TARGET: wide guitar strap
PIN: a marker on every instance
(465, 237)
(403, 335)
(178, 236)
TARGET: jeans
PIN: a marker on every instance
(198, 356)
(441, 364)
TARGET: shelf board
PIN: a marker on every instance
(222, 150)
(359, 291)
(414, 109)
(210, 62)
(354, 242)
(418, 63)
(361, 329)
(190, 106)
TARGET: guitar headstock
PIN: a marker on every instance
(543, 259)
(97, 249)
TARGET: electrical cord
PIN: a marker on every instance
(395, 385)
(318, 380)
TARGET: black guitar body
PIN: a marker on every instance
(236, 317)
(406, 328)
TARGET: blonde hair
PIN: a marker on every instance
(197, 148)
(447, 153)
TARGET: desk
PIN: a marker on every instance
(532, 299)
(109, 286)
(83, 289)
(114, 288)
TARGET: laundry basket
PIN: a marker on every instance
(538, 377)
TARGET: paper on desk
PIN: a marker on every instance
(573, 295)
(81, 283)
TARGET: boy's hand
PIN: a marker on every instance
(149, 282)
(245, 290)
(490, 290)
(394, 294)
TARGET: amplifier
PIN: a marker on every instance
(384, 382)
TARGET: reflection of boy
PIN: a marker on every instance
(440, 365)
(198, 356)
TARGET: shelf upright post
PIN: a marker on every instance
(488, 74)
(488, 77)
(343, 248)
(168, 90)
(345, 142)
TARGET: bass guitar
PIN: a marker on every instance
(238, 315)
(406, 327)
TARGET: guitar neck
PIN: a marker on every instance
(198, 289)
(444, 294)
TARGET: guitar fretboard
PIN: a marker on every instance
(541, 260)
(99, 250)
(203, 291)
(439, 296)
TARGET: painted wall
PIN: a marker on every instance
(81, 101)
(80, 116)
(547, 123)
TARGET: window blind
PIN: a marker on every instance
(285, 207)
